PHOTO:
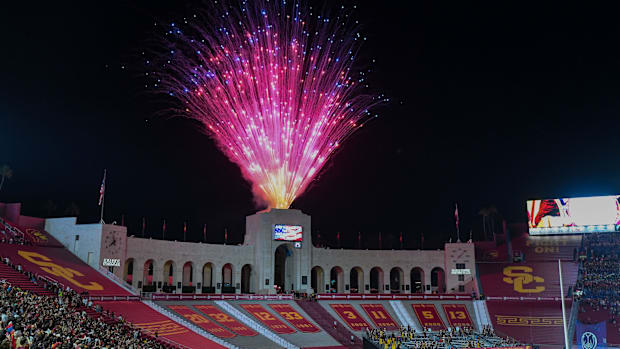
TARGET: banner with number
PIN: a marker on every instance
(349, 315)
(457, 315)
(428, 316)
(226, 320)
(294, 318)
(267, 318)
(380, 316)
(202, 321)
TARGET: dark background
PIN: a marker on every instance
(492, 104)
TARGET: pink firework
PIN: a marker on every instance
(273, 84)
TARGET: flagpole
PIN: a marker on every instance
(103, 196)
(563, 306)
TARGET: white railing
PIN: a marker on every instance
(482, 314)
(115, 279)
(174, 317)
(255, 326)
(403, 315)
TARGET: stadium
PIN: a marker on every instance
(274, 123)
(279, 290)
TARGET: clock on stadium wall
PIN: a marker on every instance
(113, 244)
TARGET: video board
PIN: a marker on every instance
(592, 214)
(283, 232)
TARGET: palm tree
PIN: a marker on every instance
(6, 172)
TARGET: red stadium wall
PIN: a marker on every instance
(529, 322)
(530, 280)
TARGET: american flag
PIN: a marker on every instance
(288, 232)
(102, 189)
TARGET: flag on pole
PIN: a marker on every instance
(102, 189)
(163, 230)
(401, 240)
(379, 240)
(338, 239)
(422, 242)
(143, 225)
(359, 240)
(456, 219)
(204, 232)
(225, 236)
(184, 231)
(122, 220)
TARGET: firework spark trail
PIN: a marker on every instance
(273, 85)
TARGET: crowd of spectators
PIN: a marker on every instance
(11, 235)
(599, 281)
(62, 321)
(458, 337)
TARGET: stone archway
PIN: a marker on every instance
(396, 279)
(356, 280)
(336, 280)
(168, 276)
(376, 280)
(128, 271)
(207, 278)
(188, 278)
(438, 280)
(228, 285)
(246, 279)
(148, 284)
(284, 268)
(317, 279)
(417, 280)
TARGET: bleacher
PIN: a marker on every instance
(448, 339)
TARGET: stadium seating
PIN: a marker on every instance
(59, 264)
(22, 280)
(599, 284)
(445, 339)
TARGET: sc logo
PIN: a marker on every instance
(519, 276)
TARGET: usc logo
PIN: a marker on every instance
(520, 276)
(50, 267)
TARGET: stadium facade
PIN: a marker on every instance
(264, 260)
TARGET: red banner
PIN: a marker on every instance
(294, 318)
(457, 315)
(528, 280)
(428, 316)
(267, 318)
(350, 316)
(225, 320)
(381, 318)
(202, 321)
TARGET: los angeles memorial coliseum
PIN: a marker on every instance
(279, 290)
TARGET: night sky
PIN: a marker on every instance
(491, 104)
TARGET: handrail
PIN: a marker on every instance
(117, 280)
(397, 296)
(403, 316)
(255, 326)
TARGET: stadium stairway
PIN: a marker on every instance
(326, 321)
(20, 280)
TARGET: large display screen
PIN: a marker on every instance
(283, 232)
(574, 215)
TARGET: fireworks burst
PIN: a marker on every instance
(273, 84)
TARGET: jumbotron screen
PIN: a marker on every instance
(283, 232)
(574, 215)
